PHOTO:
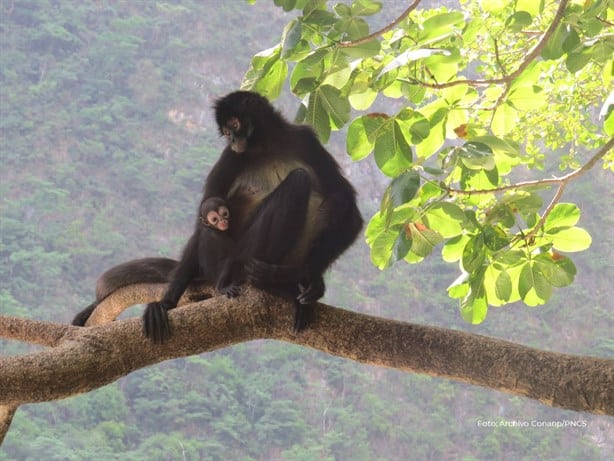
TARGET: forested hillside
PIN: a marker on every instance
(106, 136)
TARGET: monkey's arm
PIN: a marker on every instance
(222, 175)
(230, 279)
(155, 318)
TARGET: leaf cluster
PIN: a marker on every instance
(453, 105)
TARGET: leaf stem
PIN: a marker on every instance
(542, 182)
(375, 34)
(533, 54)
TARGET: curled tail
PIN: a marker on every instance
(144, 270)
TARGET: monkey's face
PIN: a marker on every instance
(218, 219)
(236, 133)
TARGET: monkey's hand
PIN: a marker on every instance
(312, 289)
(155, 321)
(303, 315)
(232, 290)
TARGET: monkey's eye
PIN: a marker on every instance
(224, 213)
(213, 218)
(233, 124)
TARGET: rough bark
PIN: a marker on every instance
(83, 359)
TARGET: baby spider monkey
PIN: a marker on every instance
(207, 256)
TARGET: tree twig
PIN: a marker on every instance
(390, 26)
(541, 182)
(533, 54)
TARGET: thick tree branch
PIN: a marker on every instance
(6, 417)
(34, 331)
(89, 358)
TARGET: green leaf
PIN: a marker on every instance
(608, 124)
(577, 60)
(441, 26)
(403, 188)
(365, 7)
(271, 84)
(409, 56)
(392, 152)
(337, 106)
(500, 213)
(413, 258)
(479, 180)
(308, 72)
(559, 270)
(338, 73)
(527, 98)
(317, 117)
(362, 134)
(401, 246)
(342, 10)
(554, 47)
(381, 240)
(474, 308)
(497, 285)
(443, 66)
(572, 42)
(493, 6)
(453, 249)
(503, 286)
(562, 215)
(314, 15)
(291, 37)
(351, 28)
(533, 7)
(476, 156)
(435, 139)
(423, 239)
(570, 239)
(504, 119)
(448, 219)
(363, 50)
(266, 74)
(530, 76)
(363, 100)
(518, 21)
(473, 254)
(287, 5)
(458, 291)
(534, 288)
(523, 202)
(495, 238)
(414, 124)
(507, 154)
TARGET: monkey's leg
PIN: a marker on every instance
(279, 220)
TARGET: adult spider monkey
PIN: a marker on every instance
(294, 213)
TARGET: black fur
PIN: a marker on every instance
(291, 205)
(293, 212)
(207, 257)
